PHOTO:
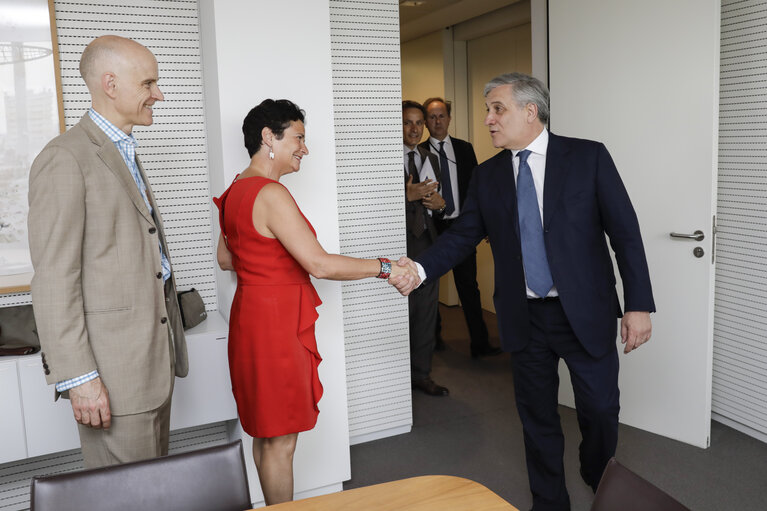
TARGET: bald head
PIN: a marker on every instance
(107, 53)
(122, 77)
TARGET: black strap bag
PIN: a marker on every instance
(192, 308)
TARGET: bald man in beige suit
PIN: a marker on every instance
(103, 292)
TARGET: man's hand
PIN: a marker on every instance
(407, 281)
(433, 201)
(406, 271)
(636, 329)
(419, 191)
(90, 404)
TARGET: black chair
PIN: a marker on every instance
(208, 479)
(620, 489)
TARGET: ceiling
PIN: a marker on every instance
(411, 13)
(433, 15)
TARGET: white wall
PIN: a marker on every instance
(258, 50)
(540, 39)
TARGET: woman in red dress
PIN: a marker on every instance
(273, 248)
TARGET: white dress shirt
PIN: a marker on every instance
(452, 172)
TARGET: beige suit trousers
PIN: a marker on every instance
(134, 437)
(130, 438)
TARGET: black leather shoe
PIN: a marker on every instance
(586, 480)
(427, 385)
(485, 351)
(440, 344)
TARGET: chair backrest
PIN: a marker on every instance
(620, 489)
(208, 479)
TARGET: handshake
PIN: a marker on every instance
(404, 276)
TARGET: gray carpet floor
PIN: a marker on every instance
(475, 433)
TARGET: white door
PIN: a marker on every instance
(643, 78)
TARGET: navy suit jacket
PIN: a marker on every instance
(584, 199)
(465, 162)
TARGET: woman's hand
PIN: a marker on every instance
(404, 276)
(402, 271)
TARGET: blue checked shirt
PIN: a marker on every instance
(126, 144)
(74, 382)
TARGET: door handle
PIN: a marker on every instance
(697, 236)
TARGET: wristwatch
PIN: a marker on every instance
(385, 268)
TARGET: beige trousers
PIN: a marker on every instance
(130, 438)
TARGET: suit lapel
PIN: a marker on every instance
(150, 197)
(557, 166)
(428, 155)
(464, 166)
(460, 153)
(112, 158)
(506, 191)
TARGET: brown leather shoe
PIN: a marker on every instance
(427, 385)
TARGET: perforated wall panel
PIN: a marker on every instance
(740, 312)
(14, 299)
(368, 122)
(173, 150)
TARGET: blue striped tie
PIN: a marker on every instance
(536, 264)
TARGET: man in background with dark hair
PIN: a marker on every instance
(423, 204)
(456, 163)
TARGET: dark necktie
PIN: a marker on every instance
(447, 187)
(419, 220)
(536, 264)
(411, 168)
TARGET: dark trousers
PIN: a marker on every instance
(536, 383)
(423, 304)
(423, 307)
(465, 276)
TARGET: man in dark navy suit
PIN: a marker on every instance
(456, 162)
(546, 203)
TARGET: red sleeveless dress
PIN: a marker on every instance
(273, 355)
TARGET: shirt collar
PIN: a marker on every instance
(537, 146)
(114, 133)
(407, 149)
(435, 142)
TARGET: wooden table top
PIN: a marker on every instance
(425, 493)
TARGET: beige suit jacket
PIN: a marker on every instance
(97, 291)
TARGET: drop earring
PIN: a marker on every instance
(271, 154)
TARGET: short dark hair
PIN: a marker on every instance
(448, 104)
(273, 114)
(413, 104)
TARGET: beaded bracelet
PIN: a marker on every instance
(385, 268)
